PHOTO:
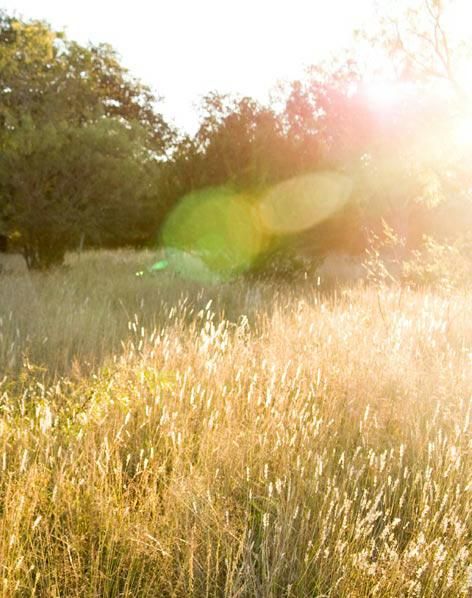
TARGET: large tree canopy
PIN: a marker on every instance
(80, 143)
(63, 182)
(45, 76)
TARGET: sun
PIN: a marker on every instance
(385, 95)
(382, 94)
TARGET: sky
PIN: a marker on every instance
(185, 48)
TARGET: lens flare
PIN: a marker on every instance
(213, 234)
(159, 266)
(191, 266)
(216, 233)
(302, 202)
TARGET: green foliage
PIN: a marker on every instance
(239, 143)
(80, 145)
(46, 77)
(63, 181)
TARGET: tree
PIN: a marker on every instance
(62, 182)
(240, 142)
(44, 76)
(429, 58)
(80, 144)
(328, 122)
(422, 42)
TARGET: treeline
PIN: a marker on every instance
(87, 159)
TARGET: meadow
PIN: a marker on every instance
(256, 439)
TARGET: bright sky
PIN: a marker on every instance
(185, 48)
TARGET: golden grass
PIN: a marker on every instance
(273, 442)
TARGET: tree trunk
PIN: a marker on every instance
(43, 257)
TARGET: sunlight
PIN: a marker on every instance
(383, 95)
(302, 202)
(462, 131)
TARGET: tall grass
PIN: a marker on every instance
(157, 439)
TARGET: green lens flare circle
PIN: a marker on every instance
(212, 235)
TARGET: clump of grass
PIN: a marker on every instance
(236, 441)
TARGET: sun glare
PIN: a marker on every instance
(462, 131)
(386, 95)
(383, 95)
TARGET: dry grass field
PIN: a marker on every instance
(250, 440)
